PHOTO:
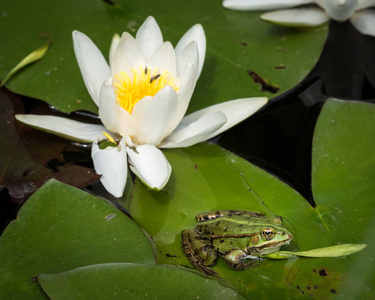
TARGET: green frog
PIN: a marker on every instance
(234, 235)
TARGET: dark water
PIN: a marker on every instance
(279, 138)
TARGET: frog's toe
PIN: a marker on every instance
(210, 272)
(245, 265)
(238, 260)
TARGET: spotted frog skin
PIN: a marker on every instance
(235, 235)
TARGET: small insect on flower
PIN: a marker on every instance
(154, 78)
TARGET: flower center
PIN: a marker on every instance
(144, 83)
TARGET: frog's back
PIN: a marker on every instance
(232, 224)
(205, 216)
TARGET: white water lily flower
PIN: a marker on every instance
(307, 16)
(142, 97)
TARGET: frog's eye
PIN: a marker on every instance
(268, 233)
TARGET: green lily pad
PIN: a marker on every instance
(206, 177)
(132, 281)
(238, 42)
(330, 251)
(343, 179)
(61, 228)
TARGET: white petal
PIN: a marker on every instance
(69, 129)
(262, 4)
(188, 55)
(195, 33)
(340, 10)
(150, 165)
(184, 95)
(114, 117)
(124, 121)
(364, 21)
(235, 111)
(158, 116)
(127, 55)
(137, 118)
(92, 64)
(112, 164)
(149, 37)
(107, 103)
(192, 131)
(365, 3)
(115, 41)
(164, 58)
(297, 17)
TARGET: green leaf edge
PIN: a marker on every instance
(30, 58)
(331, 251)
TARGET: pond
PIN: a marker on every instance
(307, 156)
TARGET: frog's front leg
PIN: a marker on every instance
(199, 251)
(238, 260)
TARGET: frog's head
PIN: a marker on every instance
(269, 238)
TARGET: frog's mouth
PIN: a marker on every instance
(272, 246)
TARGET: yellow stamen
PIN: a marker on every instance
(145, 83)
(109, 138)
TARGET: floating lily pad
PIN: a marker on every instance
(343, 179)
(238, 42)
(133, 281)
(206, 177)
(61, 228)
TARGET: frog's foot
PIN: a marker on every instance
(200, 252)
(238, 260)
(209, 272)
